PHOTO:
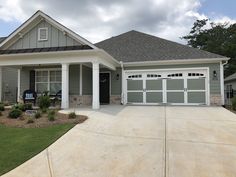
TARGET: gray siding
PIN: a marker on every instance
(9, 84)
(87, 80)
(214, 84)
(24, 80)
(74, 79)
(56, 38)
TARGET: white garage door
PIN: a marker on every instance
(178, 87)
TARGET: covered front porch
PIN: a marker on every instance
(75, 74)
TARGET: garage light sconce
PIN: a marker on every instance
(215, 75)
(117, 76)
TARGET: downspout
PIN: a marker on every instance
(122, 82)
(222, 81)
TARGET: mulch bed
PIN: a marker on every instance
(40, 122)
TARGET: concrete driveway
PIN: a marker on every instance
(142, 141)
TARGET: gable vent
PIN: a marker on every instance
(43, 34)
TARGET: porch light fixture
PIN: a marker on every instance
(117, 76)
(214, 75)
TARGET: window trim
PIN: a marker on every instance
(39, 31)
(48, 77)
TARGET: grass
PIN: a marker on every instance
(20, 144)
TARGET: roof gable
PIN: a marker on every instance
(135, 46)
(231, 77)
(21, 34)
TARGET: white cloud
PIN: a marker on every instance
(99, 19)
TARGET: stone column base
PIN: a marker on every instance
(215, 99)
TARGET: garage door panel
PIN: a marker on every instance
(154, 84)
(196, 84)
(196, 97)
(154, 97)
(135, 97)
(135, 85)
(175, 97)
(175, 84)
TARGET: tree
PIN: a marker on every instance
(219, 38)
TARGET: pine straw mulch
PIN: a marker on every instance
(40, 122)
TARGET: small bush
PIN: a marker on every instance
(19, 106)
(37, 115)
(2, 107)
(72, 115)
(44, 110)
(234, 103)
(28, 106)
(52, 112)
(51, 117)
(44, 102)
(30, 120)
(15, 113)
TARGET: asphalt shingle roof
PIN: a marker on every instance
(231, 77)
(134, 46)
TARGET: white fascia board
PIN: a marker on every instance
(52, 22)
(171, 62)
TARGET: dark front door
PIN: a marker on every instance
(104, 88)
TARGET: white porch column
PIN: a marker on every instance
(96, 104)
(65, 86)
(18, 84)
(0, 84)
(81, 80)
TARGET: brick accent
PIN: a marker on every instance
(215, 99)
(115, 99)
(77, 100)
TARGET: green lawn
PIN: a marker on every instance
(20, 144)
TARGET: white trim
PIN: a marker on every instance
(80, 79)
(18, 84)
(171, 62)
(53, 22)
(39, 34)
(65, 86)
(222, 84)
(207, 81)
(95, 81)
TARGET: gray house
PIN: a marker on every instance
(131, 68)
(230, 88)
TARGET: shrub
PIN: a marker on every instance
(44, 110)
(0, 113)
(19, 106)
(37, 115)
(2, 107)
(51, 117)
(234, 103)
(30, 120)
(44, 102)
(28, 106)
(72, 115)
(15, 113)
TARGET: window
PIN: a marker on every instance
(43, 34)
(48, 80)
(153, 75)
(175, 75)
(135, 76)
(195, 74)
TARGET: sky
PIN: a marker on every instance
(97, 20)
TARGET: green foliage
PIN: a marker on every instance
(44, 102)
(28, 106)
(30, 120)
(51, 115)
(37, 115)
(2, 107)
(220, 38)
(44, 110)
(234, 103)
(72, 115)
(19, 106)
(15, 113)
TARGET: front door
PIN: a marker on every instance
(104, 88)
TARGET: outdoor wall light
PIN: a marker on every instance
(214, 75)
(117, 76)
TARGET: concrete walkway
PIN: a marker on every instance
(142, 141)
